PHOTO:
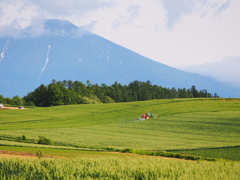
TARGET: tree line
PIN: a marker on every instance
(75, 92)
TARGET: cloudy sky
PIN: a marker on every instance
(174, 32)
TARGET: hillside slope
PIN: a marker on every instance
(225, 71)
(65, 52)
(181, 124)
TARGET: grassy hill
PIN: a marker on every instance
(203, 127)
(181, 124)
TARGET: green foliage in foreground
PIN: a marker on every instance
(113, 167)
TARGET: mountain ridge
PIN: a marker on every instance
(225, 70)
(65, 52)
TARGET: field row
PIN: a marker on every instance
(181, 124)
(181, 131)
(115, 167)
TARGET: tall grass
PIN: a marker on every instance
(112, 167)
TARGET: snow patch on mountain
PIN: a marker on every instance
(107, 54)
(2, 55)
(46, 62)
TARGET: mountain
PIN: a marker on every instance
(62, 51)
(225, 71)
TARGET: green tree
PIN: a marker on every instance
(17, 101)
(182, 93)
(2, 99)
(195, 92)
(174, 93)
(134, 90)
(189, 93)
(39, 96)
(55, 95)
(80, 88)
(116, 93)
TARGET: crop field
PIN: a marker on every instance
(116, 167)
(181, 124)
(202, 127)
(231, 153)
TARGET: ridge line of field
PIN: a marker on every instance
(203, 148)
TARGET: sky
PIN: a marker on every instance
(174, 32)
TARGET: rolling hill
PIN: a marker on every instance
(108, 141)
(62, 51)
(181, 124)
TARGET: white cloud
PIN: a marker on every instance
(68, 8)
(18, 12)
(208, 38)
(25, 11)
(205, 31)
(173, 32)
(132, 24)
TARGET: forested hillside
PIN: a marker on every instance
(69, 92)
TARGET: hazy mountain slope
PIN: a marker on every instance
(226, 71)
(65, 52)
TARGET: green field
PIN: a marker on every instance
(181, 124)
(231, 153)
(202, 127)
(116, 167)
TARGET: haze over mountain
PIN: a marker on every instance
(62, 51)
(226, 71)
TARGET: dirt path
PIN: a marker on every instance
(22, 155)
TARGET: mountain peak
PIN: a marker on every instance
(63, 28)
(56, 24)
(53, 27)
(56, 49)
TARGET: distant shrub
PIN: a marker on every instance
(107, 99)
(112, 149)
(91, 99)
(19, 139)
(126, 150)
(34, 141)
(39, 154)
(44, 140)
(23, 137)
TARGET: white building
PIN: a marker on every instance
(1, 105)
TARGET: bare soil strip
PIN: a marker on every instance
(14, 154)
(23, 155)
